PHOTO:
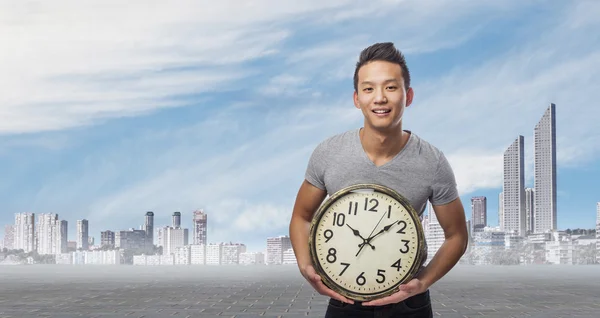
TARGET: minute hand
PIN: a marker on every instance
(385, 229)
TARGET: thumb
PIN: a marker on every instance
(310, 271)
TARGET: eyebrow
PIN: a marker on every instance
(386, 81)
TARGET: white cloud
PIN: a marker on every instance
(487, 107)
(475, 171)
(74, 63)
(126, 69)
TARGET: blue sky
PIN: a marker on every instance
(110, 111)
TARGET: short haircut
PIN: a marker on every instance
(382, 52)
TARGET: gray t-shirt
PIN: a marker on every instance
(419, 172)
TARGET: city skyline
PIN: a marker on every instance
(105, 125)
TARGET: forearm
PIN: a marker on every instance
(446, 257)
(299, 231)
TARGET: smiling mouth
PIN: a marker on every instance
(381, 111)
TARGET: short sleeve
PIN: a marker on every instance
(315, 171)
(444, 183)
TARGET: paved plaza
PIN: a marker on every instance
(279, 291)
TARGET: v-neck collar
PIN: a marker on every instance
(366, 156)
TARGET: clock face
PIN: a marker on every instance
(366, 241)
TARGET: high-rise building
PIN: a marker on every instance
(513, 189)
(149, 228)
(48, 234)
(435, 234)
(199, 222)
(478, 213)
(82, 234)
(131, 239)
(598, 232)
(9, 236)
(176, 219)
(24, 232)
(501, 211)
(529, 208)
(63, 238)
(276, 246)
(175, 237)
(107, 239)
(544, 136)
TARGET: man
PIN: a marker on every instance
(382, 152)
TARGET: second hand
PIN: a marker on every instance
(368, 238)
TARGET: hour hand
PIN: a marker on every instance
(357, 233)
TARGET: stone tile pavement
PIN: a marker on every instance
(279, 291)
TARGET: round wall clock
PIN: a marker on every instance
(365, 240)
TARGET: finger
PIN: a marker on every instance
(328, 292)
(392, 299)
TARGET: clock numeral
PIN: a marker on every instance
(361, 280)
(339, 219)
(345, 268)
(380, 273)
(331, 257)
(352, 207)
(403, 250)
(397, 264)
(401, 230)
(372, 209)
(328, 235)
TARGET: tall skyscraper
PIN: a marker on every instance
(200, 226)
(64, 237)
(598, 232)
(176, 219)
(435, 234)
(149, 228)
(544, 136)
(514, 188)
(478, 213)
(48, 234)
(24, 232)
(82, 234)
(529, 208)
(501, 211)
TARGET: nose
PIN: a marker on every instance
(380, 97)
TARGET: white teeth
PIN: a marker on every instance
(381, 111)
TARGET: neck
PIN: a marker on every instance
(383, 144)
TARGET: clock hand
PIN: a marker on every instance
(385, 229)
(357, 233)
(368, 239)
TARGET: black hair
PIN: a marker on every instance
(385, 51)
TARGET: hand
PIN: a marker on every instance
(315, 281)
(413, 287)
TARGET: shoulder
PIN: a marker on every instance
(336, 142)
(426, 150)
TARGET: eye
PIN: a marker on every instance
(392, 87)
(367, 89)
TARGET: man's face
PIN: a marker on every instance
(381, 94)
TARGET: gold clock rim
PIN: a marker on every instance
(330, 201)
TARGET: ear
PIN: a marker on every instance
(355, 98)
(410, 93)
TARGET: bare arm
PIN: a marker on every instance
(451, 217)
(308, 200)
